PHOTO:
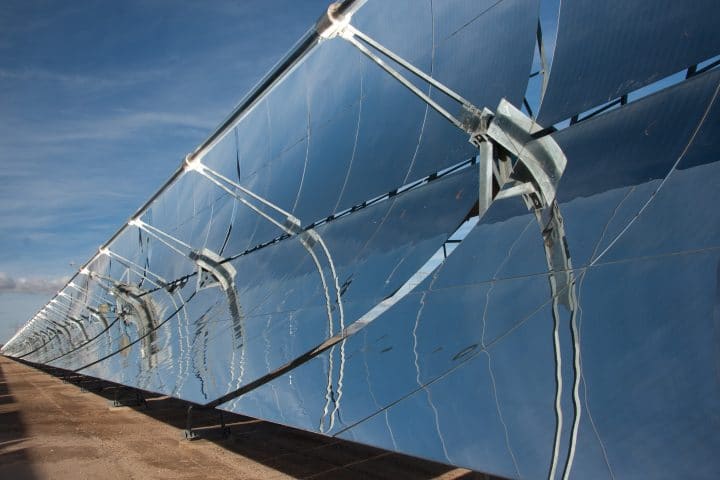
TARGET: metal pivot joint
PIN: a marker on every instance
(133, 301)
(539, 162)
(337, 17)
(214, 271)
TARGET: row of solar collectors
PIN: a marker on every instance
(463, 369)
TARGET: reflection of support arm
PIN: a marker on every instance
(65, 310)
(78, 323)
(143, 311)
(562, 291)
(71, 306)
(540, 165)
(62, 327)
(557, 255)
(101, 316)
(220, 274)
(291, 226)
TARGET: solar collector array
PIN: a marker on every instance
(463, 368)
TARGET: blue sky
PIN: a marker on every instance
(99, 102)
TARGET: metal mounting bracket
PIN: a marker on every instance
(64, 329)
(337, 17)
(191, 434)
(100, 316)
(78, 323)
(214, 271)
(143, 310)
(539, 163)
(542, 158)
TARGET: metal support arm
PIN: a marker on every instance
(509, 129)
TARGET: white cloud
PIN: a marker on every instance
(31, 285)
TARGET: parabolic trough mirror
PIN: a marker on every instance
(480, 232)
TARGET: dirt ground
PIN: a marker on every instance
(50, 429)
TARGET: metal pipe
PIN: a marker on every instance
(408, 84)
(409, 66)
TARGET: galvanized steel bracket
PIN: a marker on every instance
(143, 310)
(543, 161)
(213, 270)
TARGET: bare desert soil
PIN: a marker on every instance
(50, 429)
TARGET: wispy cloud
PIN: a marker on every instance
(110, 126)
(30, 285)
(75, 80)
(127, 124)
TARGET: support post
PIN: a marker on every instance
(189, 433)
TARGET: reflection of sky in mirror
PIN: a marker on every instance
(99, 103)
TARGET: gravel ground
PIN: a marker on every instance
(50, 429)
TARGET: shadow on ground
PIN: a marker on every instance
(294, 452)
(14, 458)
